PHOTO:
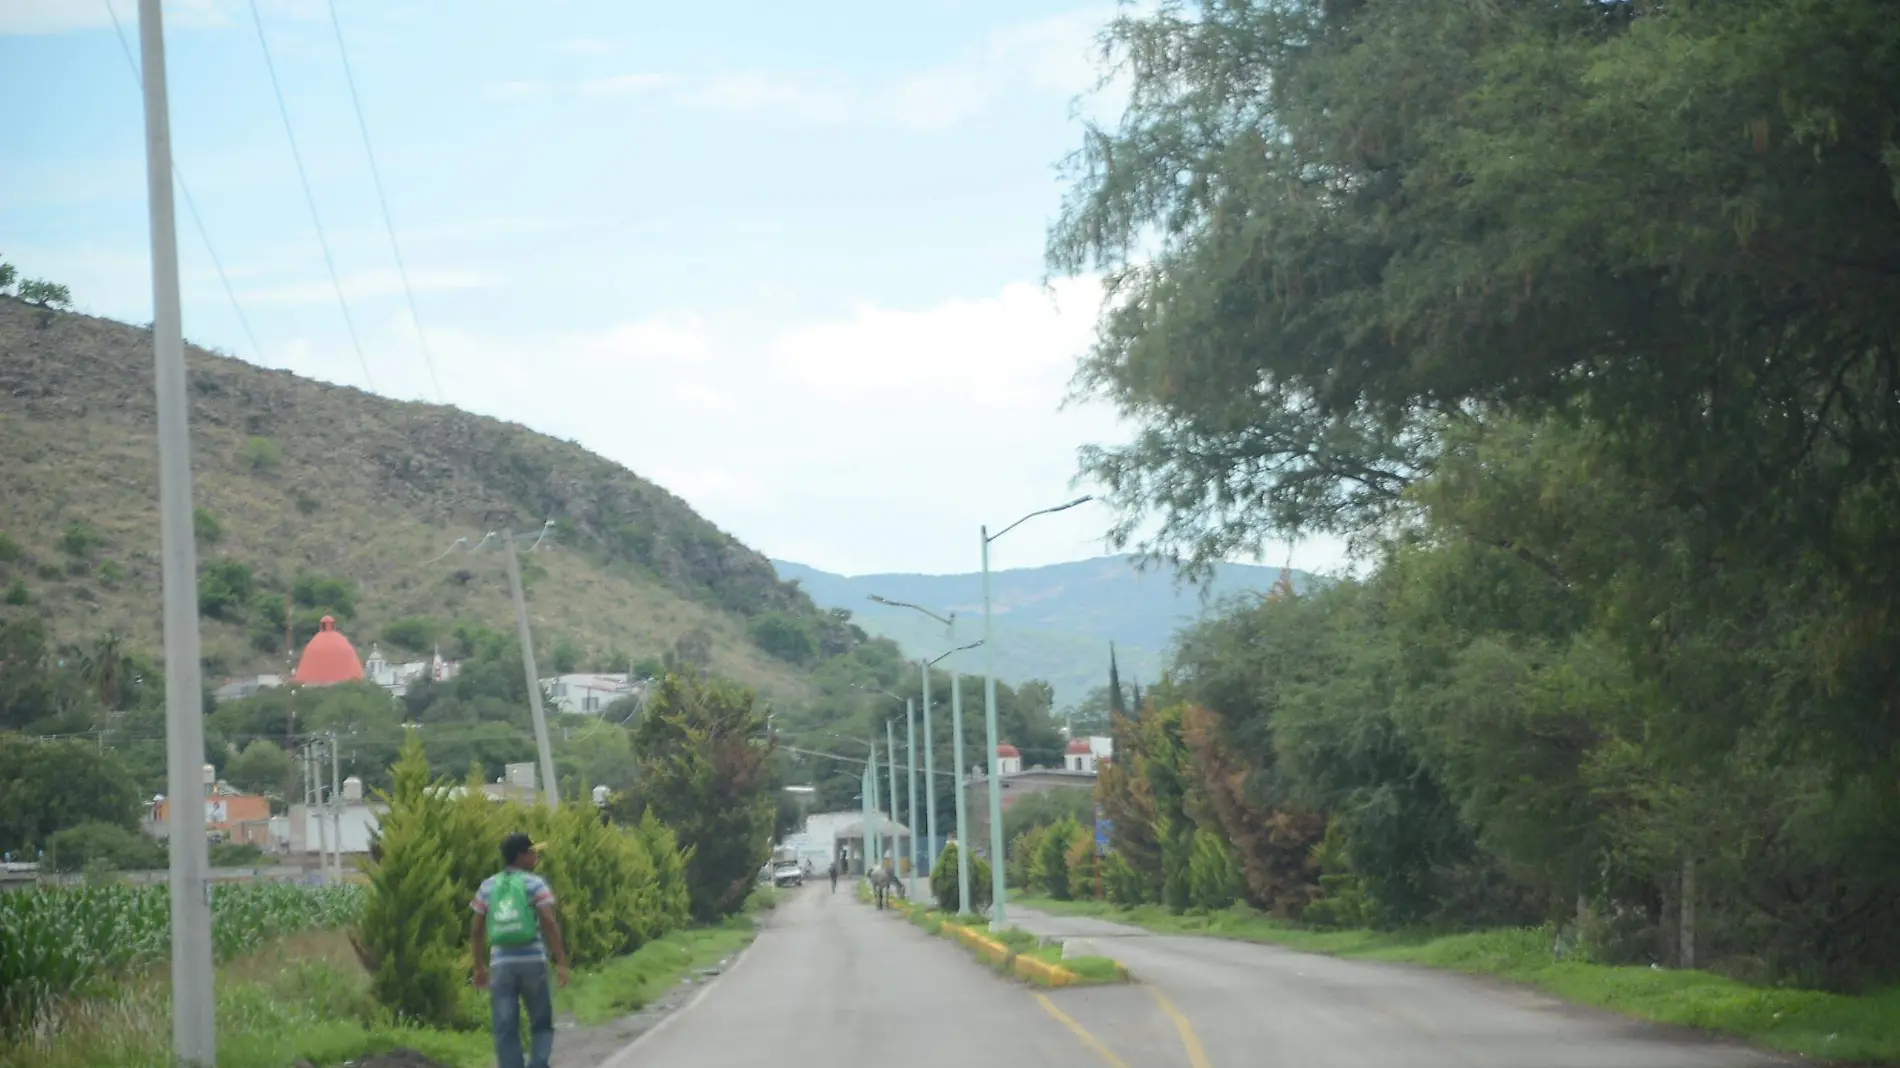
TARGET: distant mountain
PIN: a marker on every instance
(1052, 623)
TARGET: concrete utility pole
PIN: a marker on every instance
(897, 835)
(194, 1015)
(336, 807)
(551, 789)
(910, 759)
(963, 790)
(930, 781)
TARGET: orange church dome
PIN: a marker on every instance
(328, 659)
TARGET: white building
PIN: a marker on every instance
(397, 678)
(589, 694)
(1086, 754)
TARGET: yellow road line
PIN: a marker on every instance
(1197, 1057)
(1081, 1032)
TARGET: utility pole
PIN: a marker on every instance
(910, 761)
(336, 807)
(194, 1004)
(551, 789)
(897, 835)
(930, 780)
(963, 790)
(874, 835)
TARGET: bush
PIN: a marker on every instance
(943, 881)
(1051, 862)
(107, 844)
(415, 633)
(1214, 879)
(784, 636)
(236, 854)
(224, 589)
(1121, 883)
(80, 539)
(10, 549)
(1019, 864)
(412, 928)
(1084, 867)
(206, 524)
(260, 455)
(18, 595)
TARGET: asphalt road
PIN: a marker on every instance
(829, 979)
(1255, 1005)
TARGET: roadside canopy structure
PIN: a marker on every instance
(848, 842)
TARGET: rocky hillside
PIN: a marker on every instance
(299, 480)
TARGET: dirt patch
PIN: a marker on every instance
(395, 1058)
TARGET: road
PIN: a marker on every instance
(1251, 1004)
(832, 979)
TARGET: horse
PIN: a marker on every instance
(883, 883)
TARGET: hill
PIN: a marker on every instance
(1052, 623)
(351, 501)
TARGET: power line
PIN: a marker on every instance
(389, 225)
(191, 203)
(310, 197)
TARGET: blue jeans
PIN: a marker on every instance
(515, 985)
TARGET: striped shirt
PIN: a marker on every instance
(539, 894)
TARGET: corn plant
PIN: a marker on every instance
(56, 942)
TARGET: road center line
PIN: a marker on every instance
(1197, 1057)
(1081, 1032)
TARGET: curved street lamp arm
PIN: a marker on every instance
(1084, 499)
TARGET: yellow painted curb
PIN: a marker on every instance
(1036, 971)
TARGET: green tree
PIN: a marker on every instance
(44, 294)
(48, 786)
(783, 635)
(108, 845)
(705, 772)
(412, 925)
(263, 767)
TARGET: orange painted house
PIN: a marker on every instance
(230, 817)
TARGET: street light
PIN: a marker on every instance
(997, 889)
(930, 756)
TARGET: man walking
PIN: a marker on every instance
(514, 926)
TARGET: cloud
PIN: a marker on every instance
(868, 441)
(797, 98)
(365, 285)
(618, 84)
(1051, 55)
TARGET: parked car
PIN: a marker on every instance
(788, 875)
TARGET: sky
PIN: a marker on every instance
(784, 260)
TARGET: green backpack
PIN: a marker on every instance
(511, 917)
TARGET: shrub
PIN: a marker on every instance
(1122, 884)
(411, 931)
(41, 293)
(235, 854)
(260, 454)
(107, 844)
(1214, 880)
(18, 595)
(943, 880)
(1051, 862)
(110, 573)
(224, 589)
(1019, 863)
(415, 633)
(1084, 867)
(784, 636)
(206, 524)
(80, 539)
(10, 549)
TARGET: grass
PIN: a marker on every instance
(635, 981)
(307, 997)
(1864, 1029)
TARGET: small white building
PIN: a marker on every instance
(588, 694)
(1087, 754)
(397, 678)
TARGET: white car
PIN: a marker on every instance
(788, 875)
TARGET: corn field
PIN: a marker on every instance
(69, 940)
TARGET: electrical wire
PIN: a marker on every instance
(310, 197)
(191, 203)
(382, 200)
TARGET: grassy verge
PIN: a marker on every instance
(1810, 1022)
(1019, 943)
(635, 981)
(308, 998)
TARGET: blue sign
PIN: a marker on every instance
(1104, 831)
